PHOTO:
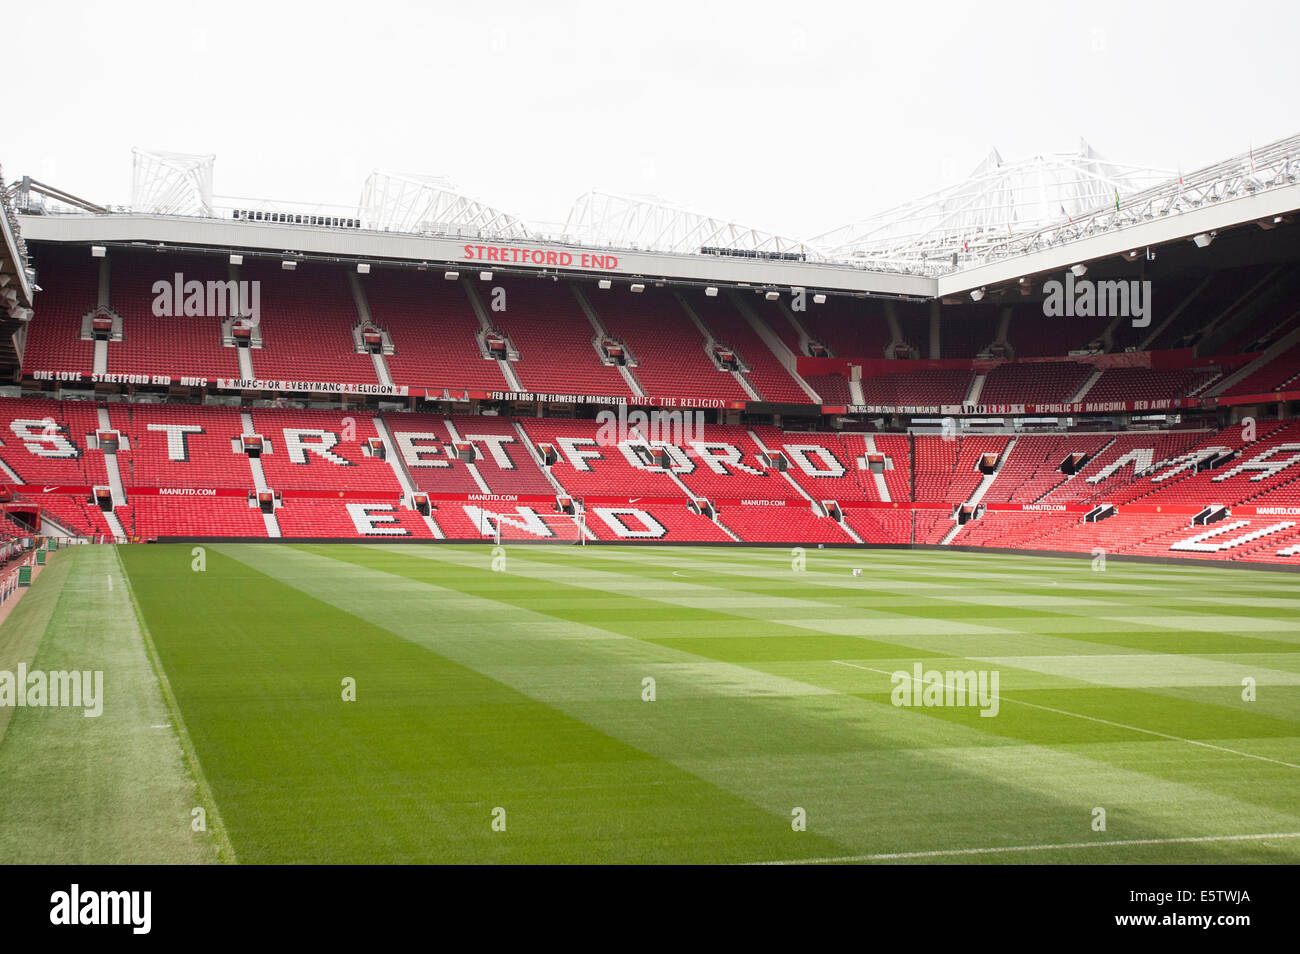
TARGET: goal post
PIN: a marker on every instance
(533, 524)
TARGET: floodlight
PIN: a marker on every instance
(363, 268)
(604, 283)
(236, 260)
(98, 251)
(772, 296)
(485, 276)
(288, 264)
(451, 276)
(976, 294)
(637, 288)
(1079, 270)
(1203, 240)
(711, 292)
(819, 299)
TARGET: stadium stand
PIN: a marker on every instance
(322, 450)
(668, 348)
(307, 319)
(766, 373)
(918, 387)
(344, 473)
(54, 342)
(1216, 476)
(544, 321)
(433, 329)
(1278, 374)
(968, 335)
(174, 345)
(1146, 384)
(848, 327)
(1034, 382)
(833, 389)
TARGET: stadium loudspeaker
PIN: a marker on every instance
(363, 268)
(236, 260)
(98, 251)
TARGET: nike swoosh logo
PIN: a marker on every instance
(633, 499)
(46, 490)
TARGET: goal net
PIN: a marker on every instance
(531, 524)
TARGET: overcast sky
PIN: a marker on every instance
(793, 117)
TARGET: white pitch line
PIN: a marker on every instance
(1117, 725)
(942, 853)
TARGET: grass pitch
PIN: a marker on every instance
(633, 704)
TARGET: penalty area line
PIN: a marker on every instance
(951, 852)
(1117, 725)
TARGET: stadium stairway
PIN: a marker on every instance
(269, 521)
(602, 334)
(978, 494)
(366, 323)
(669, 347)
(486, 330)
(402, 475)
(814, 503)
(715, 347)
(774, 364)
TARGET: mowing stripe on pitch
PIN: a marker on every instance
(1118, 725)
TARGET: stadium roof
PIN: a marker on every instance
(649, 222)
(16, 284)
(998, 201)
(1007, 220)
(432, 205)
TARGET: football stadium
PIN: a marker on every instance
(414, 531)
